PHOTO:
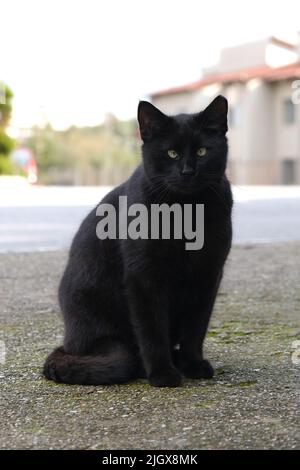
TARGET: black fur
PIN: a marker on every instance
(127, 303)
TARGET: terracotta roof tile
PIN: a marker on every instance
(264, 72)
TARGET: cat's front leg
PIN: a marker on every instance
(193, 331)
(149, 313)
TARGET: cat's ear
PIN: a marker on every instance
(214, 117)
(151, 120)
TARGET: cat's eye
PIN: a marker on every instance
(201, 151)
(173, 154)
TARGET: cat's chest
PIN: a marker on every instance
(203, 246)
(181, 260)
(173, 261)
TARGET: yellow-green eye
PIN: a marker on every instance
(201, 151)
(172, 154)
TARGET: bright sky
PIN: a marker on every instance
(71, 61)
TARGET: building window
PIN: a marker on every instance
(234, 115)
(288, 171)
(288, 112)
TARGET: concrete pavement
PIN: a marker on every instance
(252, 403)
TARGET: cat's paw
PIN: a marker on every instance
(200, 369)
(50, 372)
(165, 378)
(50, 369)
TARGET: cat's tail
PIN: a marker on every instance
(119, 366)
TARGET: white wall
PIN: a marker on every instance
(242, 56)
(287, 136)
(187, 102)
(175, 103)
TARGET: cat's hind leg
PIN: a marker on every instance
(93, 352)
(111, 363)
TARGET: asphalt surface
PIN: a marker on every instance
(252, 403)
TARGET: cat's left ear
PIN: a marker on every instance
(214, 117)
(151, 120)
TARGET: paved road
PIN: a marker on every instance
(46, 218)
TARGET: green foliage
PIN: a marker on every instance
(7, 167)
(6, 143)
(46, 148)
(5, 104)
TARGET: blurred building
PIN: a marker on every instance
(259, 80)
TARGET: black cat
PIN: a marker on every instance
(141, 308)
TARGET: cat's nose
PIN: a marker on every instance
(187, 170)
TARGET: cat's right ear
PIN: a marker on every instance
(151, 120)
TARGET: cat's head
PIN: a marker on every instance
(185, 152)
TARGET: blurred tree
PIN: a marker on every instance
(6, 143)
(6, 97)
(104, 154)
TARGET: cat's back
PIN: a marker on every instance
(88, 250)
(86, 236)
